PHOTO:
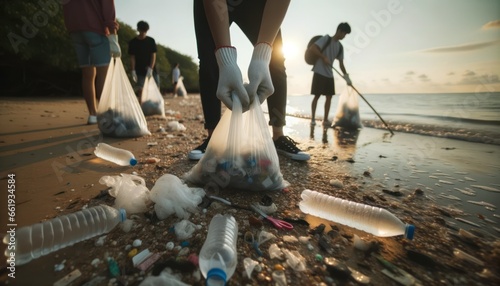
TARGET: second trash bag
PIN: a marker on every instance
(119, 113)
(347, 115)
(152, 102)
(240, 154)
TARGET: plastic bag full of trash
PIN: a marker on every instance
(130, 192)
(171, 195)
(347, 115)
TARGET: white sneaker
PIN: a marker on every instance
(92, 119)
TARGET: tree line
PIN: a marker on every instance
(38, 58)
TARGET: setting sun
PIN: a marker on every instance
(289, 49)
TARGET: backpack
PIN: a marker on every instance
(309, 57)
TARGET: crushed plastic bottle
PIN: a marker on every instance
(374, 220)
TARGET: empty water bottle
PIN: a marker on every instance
(115, 155)
(374, 220)
(218, 256)
(43, 238)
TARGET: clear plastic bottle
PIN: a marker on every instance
(116, 155)
(374, 220)
(43, 238)
(218, 256)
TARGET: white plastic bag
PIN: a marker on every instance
(152, 102)
(130, 192)
(240, 154)
(347, 115)
(119, 113)
(181, 90)
(171, 195)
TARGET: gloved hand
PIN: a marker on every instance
(347, 79)
(149, 73)
(230, 79)
(258, 73)
(114, 47)
(134, 76)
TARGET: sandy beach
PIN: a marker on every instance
(429, 182)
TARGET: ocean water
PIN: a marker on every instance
(473, 117)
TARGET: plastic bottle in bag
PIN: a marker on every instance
(374, 220)
(43, 238)
(218, 255)
(116, 155)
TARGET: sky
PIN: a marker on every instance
(396, 46)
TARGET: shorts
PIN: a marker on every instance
(322, 85)
(92, 49)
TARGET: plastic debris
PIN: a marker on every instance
(130, 192)
(171, 196)
(465, 256)
(275, 251)
(360, 244)
(137, 243)
(397, 274)
(184, 229)
(60, 266)
(66, 280)
(358, 276)
(289, 238)
(165, 278)
(175, 126)
(249, 265)
(100, 241)
(265, 236)
(296, 261)
(279, 278)
(170, 245)
(113, 268)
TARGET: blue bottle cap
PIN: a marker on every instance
(123, 215)
(409, 231)
(218, 273)
(133, 162)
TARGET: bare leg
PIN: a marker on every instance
(328, 102)
(100, 79)
(313, 107)
(88, 88)
(277, 132)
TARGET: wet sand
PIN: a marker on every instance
(424, 180)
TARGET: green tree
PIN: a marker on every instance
(37, 56)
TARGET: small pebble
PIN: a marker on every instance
(137, 243)
(279, 267)
(170, 245)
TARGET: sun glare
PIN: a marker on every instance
(289, 49)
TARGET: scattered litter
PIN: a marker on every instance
(465, 256)
(249, 265)
(175, 126)
(130, 192)
(358, 276)
(289, 238)
(171, 196)
(336, 183)
(296, 261)
(275, 251)
(279, 278)
(66, 280)
(137, 243)
(184, 229)
(60, 266)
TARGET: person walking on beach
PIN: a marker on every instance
(176, 74)
(327, 49)
(220, 75)
(142, 51)
(92, 26)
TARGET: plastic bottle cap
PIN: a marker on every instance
(133, 162)
(217, 272)
(123, 215)
(410, 231)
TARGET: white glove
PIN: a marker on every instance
(114, 47)
(260, 84)
(134, 76)
(149, 73)
(347, 79)
(230, 79)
